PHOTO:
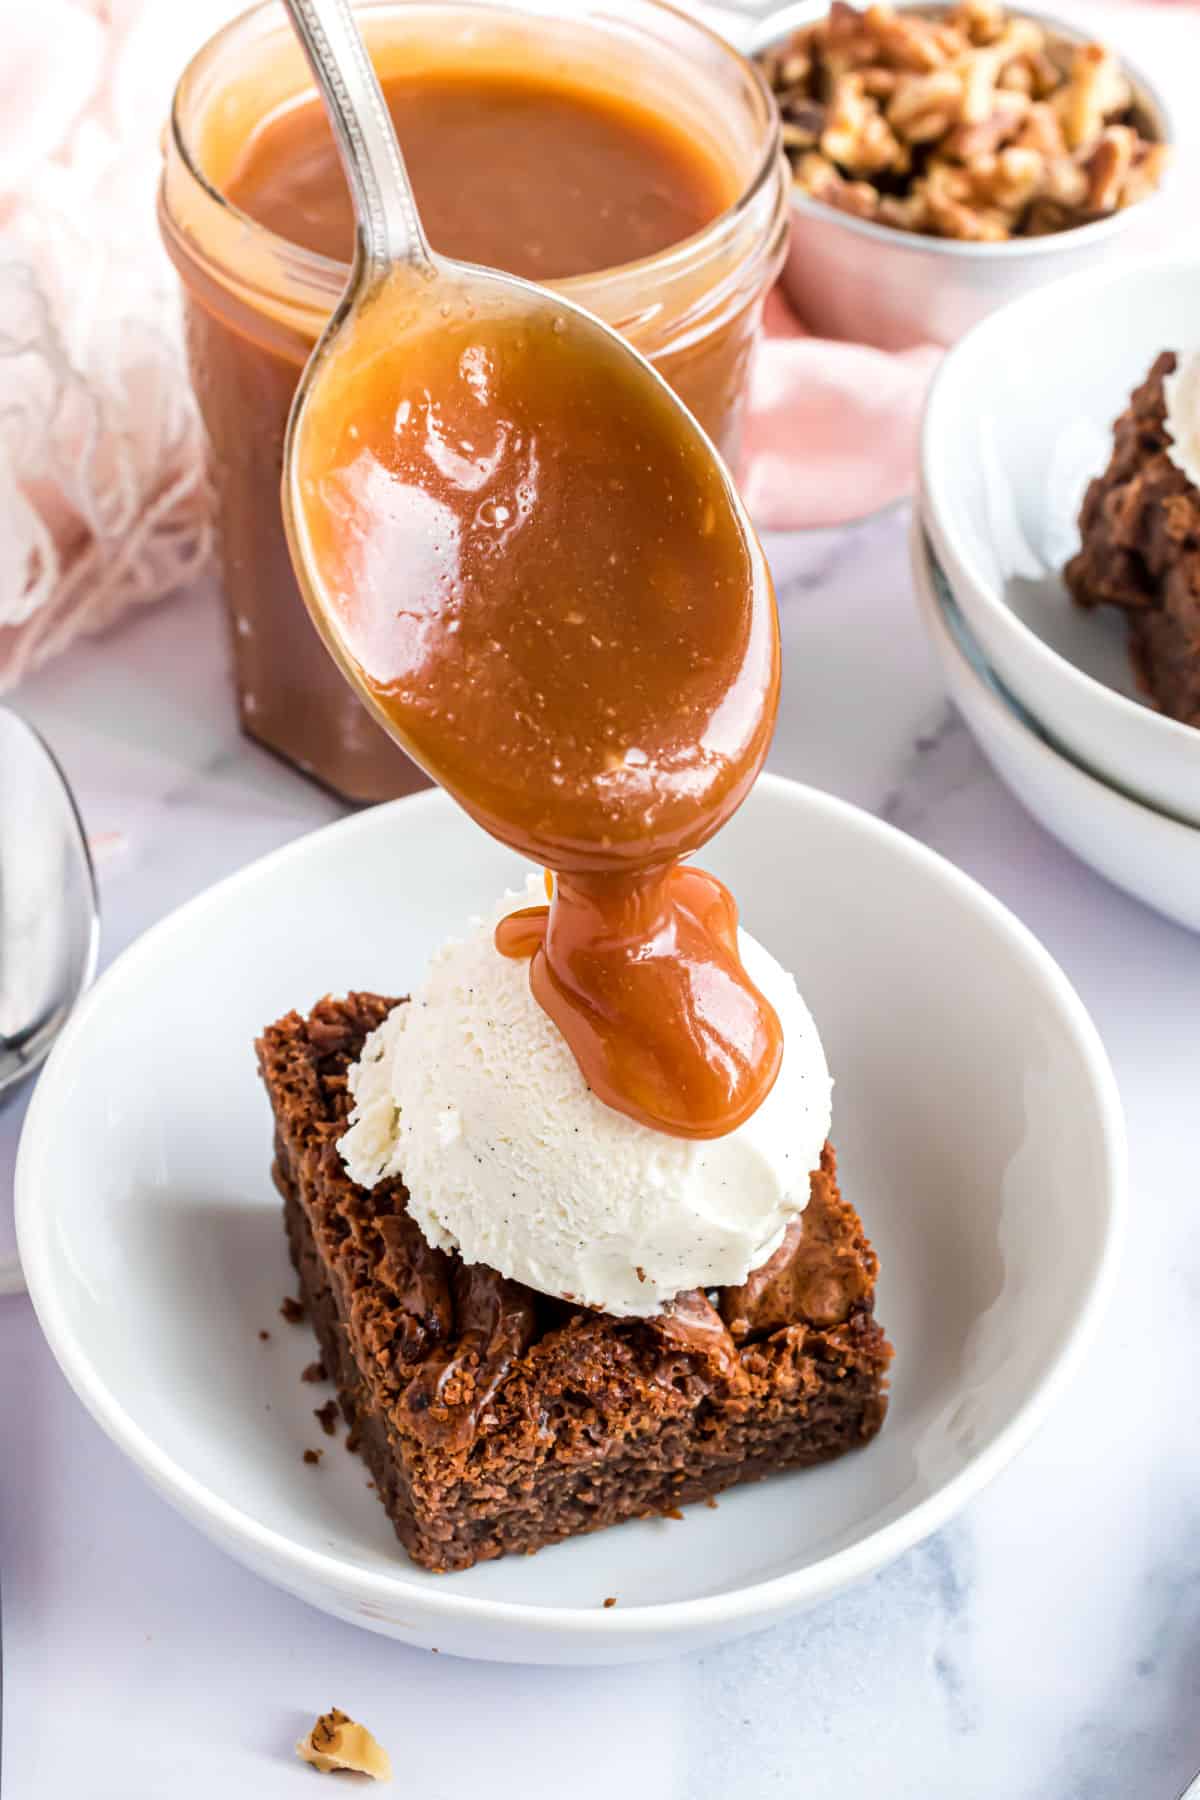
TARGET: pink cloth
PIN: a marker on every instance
(831, 431)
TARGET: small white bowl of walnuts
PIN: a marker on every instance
(947, 158)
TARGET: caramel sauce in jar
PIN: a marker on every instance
(530, 171)
(623, 152)
(539, 573)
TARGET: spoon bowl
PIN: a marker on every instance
(49, 918)
(512, 418)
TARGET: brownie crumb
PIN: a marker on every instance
(611, 1601)
(712, 1503)
(291, 1310)
(326, 1417)
(315, 1371)
(313, 1456)
(353, 1440)
(672, 1512)
(264, 1336)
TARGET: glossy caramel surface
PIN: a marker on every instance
(528, 172)
(535, 569)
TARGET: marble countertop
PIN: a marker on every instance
(1045, 1646)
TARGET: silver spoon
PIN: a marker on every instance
(49, 916)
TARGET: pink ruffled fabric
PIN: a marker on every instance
(102, 498)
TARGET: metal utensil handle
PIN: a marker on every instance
(389, 225)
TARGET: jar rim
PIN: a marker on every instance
(325, 278)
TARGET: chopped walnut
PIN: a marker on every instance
(924, 107)
(967, 142)
(1064, 185)
(793, 71)
(1045, 73)
(982, 20)
(803, 130)
(1096, 91)
(336, 1745)
(845, 42)
(1108, 168)
(980, 70)
(881, 84)
(973, 125)
(904, 41)
(954, 218)
(819, 177)
(1041, 131)
(908, 214)
(857, 136)
(1009, 180)
(1149, 167)
(1045, 217)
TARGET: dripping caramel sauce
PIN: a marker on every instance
(641, 974)
(542, 584)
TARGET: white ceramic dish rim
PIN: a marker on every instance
(940, 517)
(758, 1600)
(1015, 719)
(778, 25)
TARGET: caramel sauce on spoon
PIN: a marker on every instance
(536, 570)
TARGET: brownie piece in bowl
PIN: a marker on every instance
(1140, 548)
(497, 1419)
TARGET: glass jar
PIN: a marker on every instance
(255, 303)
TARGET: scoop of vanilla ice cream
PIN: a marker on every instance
(470, 1092)
(1181, 391)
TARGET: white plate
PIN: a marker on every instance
(1018, 421)
(981, 1137)
(1150, 855)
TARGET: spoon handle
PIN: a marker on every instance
(389, 226)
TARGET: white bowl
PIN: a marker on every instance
(1149, 854)
(982, 1140)
(1018, 421)
(850, 278)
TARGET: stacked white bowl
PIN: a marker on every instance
(1018, 422)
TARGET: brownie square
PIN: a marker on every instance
(1140, 550)
(494, 1419)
